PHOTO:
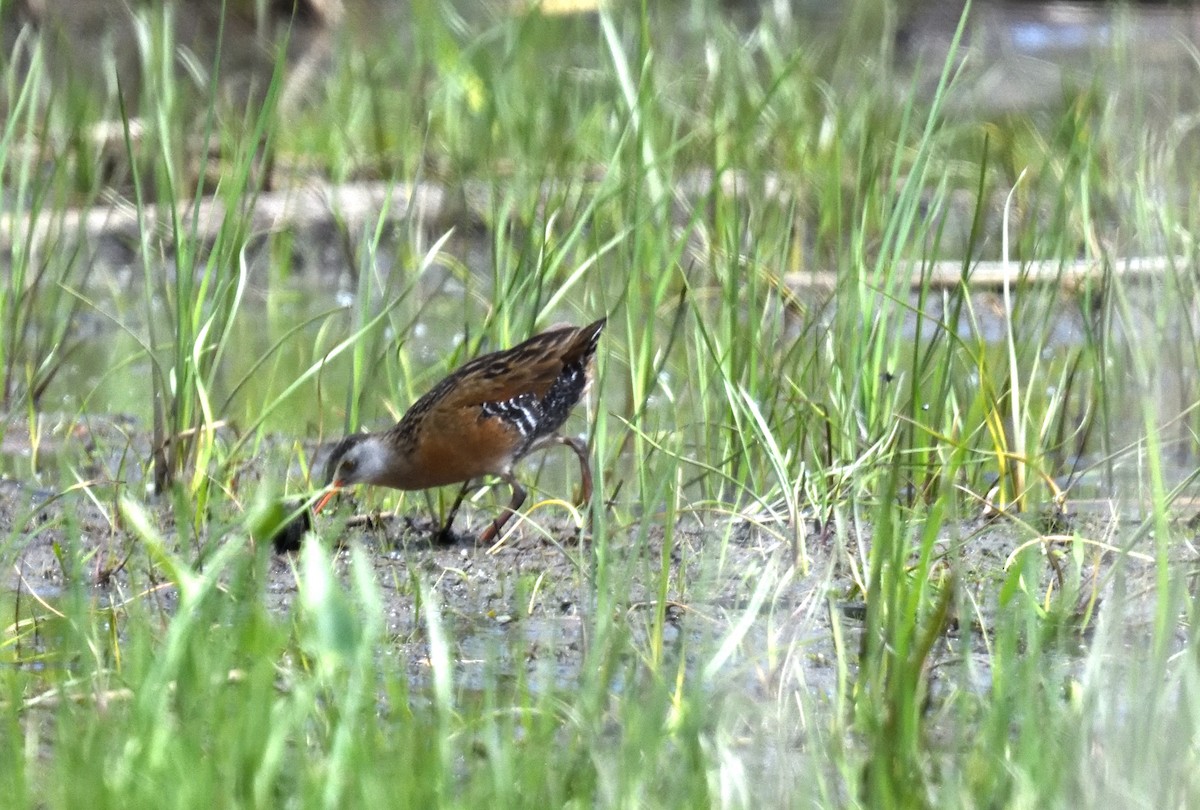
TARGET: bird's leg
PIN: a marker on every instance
(585, 467)
(518, 498)
(444, 534)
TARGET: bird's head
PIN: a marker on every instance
(357, 459)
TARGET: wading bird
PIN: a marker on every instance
(481, 420)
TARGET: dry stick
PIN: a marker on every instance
(1072, 275)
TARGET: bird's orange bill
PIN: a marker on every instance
(333, 490)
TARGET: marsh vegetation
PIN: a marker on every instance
(894, 426)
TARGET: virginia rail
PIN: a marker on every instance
(481, 420)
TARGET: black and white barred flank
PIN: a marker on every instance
(523, 412)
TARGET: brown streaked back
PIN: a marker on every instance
(529, 368)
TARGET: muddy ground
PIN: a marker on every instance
(525, 602)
